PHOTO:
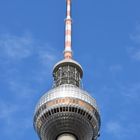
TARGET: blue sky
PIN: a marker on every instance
(106, 42)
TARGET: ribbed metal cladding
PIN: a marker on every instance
(67, 109)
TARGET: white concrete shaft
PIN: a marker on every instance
(66, 137)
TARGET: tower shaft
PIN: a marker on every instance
(68, 31)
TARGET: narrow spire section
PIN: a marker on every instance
(68, 24)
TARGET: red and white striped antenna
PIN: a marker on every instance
(68, 32)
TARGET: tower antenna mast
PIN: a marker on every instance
(68, 32)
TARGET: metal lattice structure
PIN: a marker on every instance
(67, 112)
(67, 71)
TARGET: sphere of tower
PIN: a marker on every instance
(67, 109)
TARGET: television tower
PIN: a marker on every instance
(67, 112)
